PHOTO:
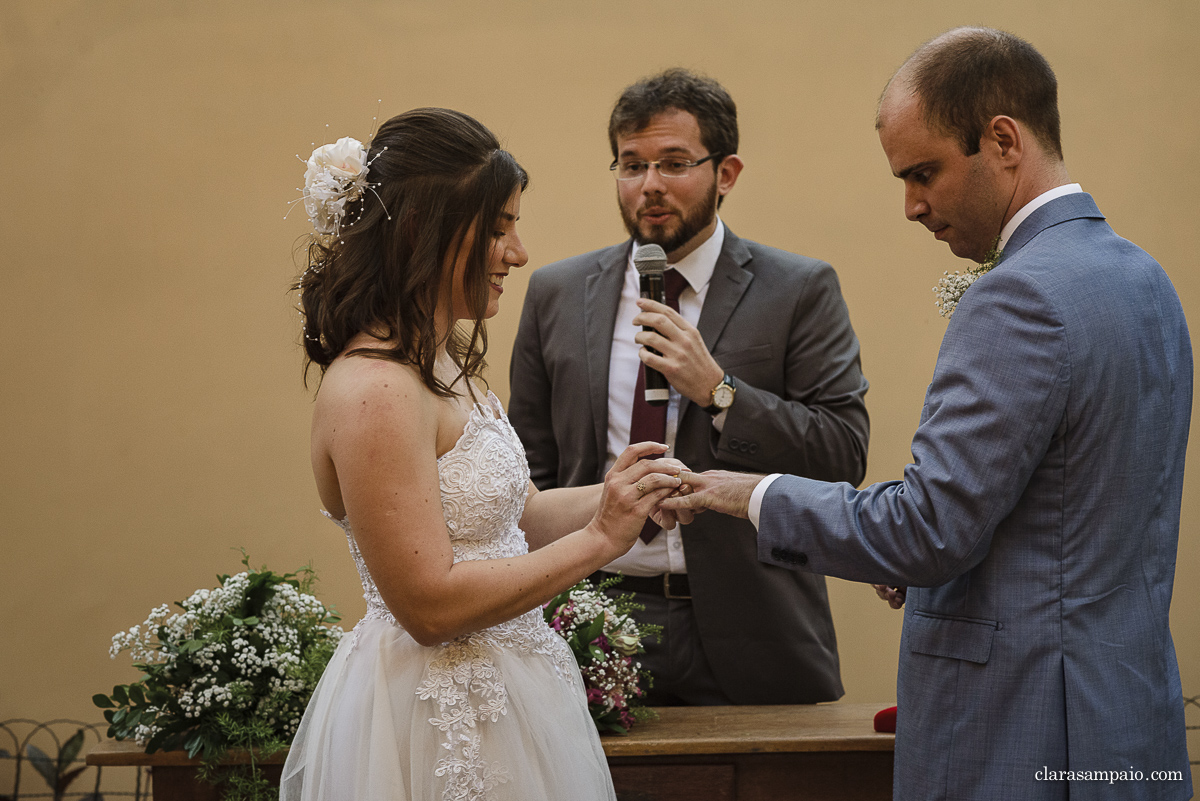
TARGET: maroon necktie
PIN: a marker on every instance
(649, 423)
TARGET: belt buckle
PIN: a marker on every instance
(667, 590)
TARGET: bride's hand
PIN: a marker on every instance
(667, 519)
(632, 491)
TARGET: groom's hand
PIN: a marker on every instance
(895, 596)
(719, 490)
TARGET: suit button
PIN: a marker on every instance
(802, 559)
(734, 444)
(753, 448)
(777, 555)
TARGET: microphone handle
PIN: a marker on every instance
(657, 391)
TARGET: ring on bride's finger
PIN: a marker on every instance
(641, 487)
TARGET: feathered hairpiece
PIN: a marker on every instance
(336, 176)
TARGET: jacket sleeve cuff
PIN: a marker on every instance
(756, 497)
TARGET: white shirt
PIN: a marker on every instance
(663, 554)
(756, 498)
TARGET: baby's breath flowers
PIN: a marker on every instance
(951, 286)
(233, 670)
(605, 639)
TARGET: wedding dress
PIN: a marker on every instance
(495, 715)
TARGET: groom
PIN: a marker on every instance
(1038, 522)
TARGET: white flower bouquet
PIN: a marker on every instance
(605, 639)
(233, 671)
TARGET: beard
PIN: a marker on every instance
(691, 222)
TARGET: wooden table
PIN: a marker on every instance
(754, 753)
(726, 753)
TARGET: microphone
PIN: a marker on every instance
(650, 261)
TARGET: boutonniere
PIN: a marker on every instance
(951, 286)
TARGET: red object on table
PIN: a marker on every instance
(885, 720)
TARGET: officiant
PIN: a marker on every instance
(764, 375)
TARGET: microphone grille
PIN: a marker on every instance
(650, 259)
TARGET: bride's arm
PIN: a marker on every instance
(552, 513)
(378, 427)
(549, 514)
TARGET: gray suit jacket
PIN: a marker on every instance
(1037, 525)
(777, 322)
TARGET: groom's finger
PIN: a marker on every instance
(695, 481)
(693, 502)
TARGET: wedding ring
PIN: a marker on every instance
(641, 488)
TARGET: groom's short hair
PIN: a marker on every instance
(967, 76)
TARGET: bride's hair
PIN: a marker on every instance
(433, 173)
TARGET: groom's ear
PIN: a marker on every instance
(1004, 139)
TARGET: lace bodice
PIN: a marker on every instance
(483, 481)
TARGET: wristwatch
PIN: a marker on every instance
(722, 395)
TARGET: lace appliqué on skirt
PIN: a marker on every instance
(469, 691)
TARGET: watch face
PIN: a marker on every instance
(723, 396)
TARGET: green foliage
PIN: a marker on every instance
(233, 671)
(244, 782)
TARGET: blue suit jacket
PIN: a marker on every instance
(1036, 527)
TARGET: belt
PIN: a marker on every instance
(666, 585)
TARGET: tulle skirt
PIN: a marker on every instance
(498, 715)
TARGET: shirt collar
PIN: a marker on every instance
(698, 266)
(1031, 207)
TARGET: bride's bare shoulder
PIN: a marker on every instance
(359, 390)
(372, 418)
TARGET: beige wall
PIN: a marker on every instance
(152, 411)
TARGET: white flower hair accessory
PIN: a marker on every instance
(336, 176)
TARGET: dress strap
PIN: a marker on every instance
(343, 524)
(494, 406)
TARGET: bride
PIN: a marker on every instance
(451, 686)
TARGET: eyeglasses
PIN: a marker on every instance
(667, 168)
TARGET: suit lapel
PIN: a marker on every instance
(729, 282)
(602, 294)
(1074, 206)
